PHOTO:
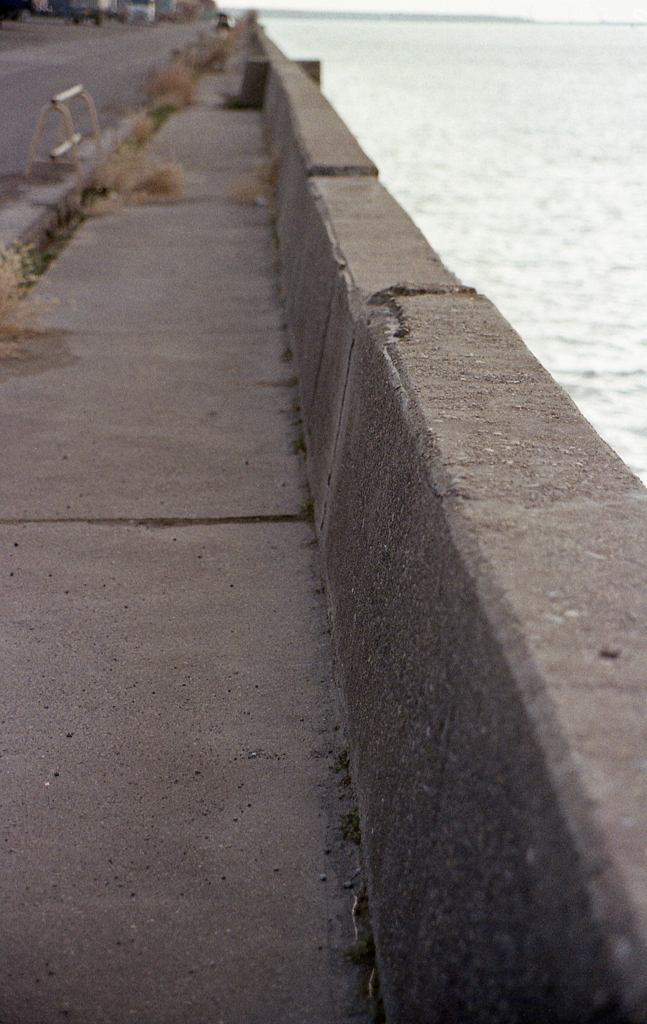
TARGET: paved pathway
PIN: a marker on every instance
(168, 722)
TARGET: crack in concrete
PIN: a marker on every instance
(406, 290)
(387, 298)
(336, 171)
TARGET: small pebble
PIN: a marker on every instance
(348, 884)
(322, 878)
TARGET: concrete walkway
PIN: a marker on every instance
(170, 848)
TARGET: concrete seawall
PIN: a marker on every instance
(485, 557)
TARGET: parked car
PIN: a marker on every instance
(13, 9)
(59, 8)
(141, 12)
(135, 12)
(88, 10)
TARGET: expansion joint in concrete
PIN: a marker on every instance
(387, 299)
(162, 523)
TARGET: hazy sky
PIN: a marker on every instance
(542, 10)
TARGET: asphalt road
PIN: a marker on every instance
(41, 56)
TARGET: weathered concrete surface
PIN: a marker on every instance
(166, 736)
(184, 430)
(170, 843)
(485, 556)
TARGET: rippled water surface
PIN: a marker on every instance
(521, 152)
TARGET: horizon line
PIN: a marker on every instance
(301, 12)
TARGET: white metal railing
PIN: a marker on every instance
(60, 103)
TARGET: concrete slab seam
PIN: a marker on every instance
(163, 523)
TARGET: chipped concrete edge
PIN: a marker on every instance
(485, 559)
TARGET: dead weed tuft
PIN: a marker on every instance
(103, 204)
(257, 188)
(241, 35)
(18, 309)
(131, 175)
(173, 84)
(141, 129)
(163, 180)
(212, 51)
(209, 53)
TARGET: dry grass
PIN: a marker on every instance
(104, 205)
(209, 53)
(257, 188)
(140, 129)
(18, 309)
(131, 175)
(240, 36)
(173, 84)
(212, 51)
(8, 348)
(161, 180)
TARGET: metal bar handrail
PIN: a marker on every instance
(60, 103)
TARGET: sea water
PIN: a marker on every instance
(520, 150)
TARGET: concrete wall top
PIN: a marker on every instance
(384, 249)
